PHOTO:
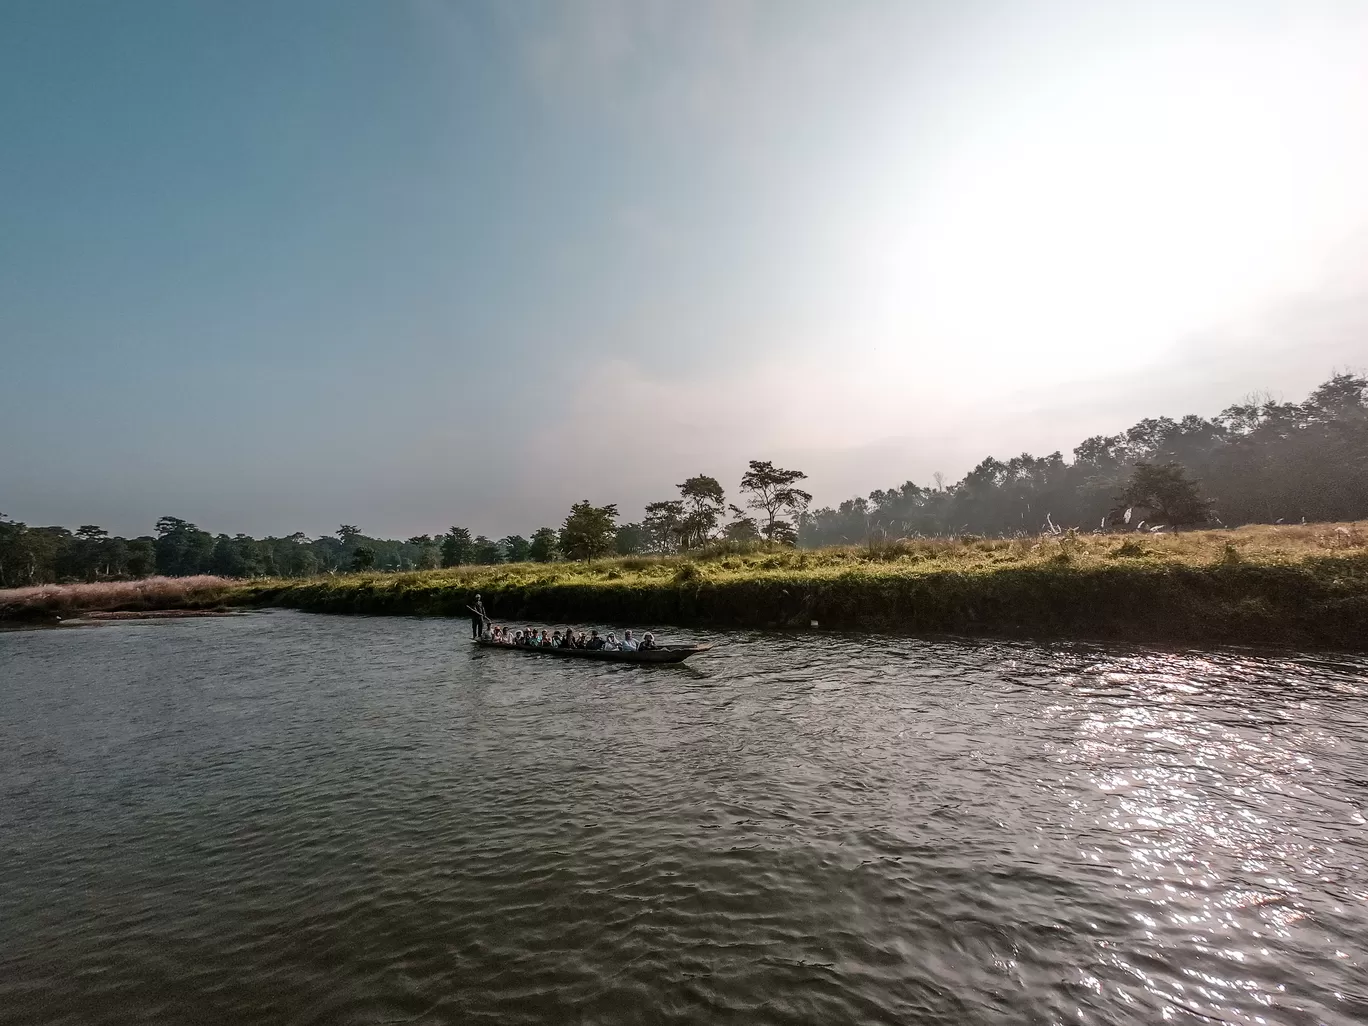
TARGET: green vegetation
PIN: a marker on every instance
(1167, 495)
(1296, 585)
(1301, 586)
(990, 554)
(588, 531)
(1260, 461)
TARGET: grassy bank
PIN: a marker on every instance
(1285, 585)
(1302, 585)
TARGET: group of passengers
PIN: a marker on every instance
(529, 638)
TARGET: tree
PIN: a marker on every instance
(89, 532)
(783, 532)
(182, 548)
(14, 553)
(544, 546)
(630, 539)
(348, 534)
(225, 560)
(704, 502)
(664, 524)
(742, 528)
(588, 530)
(427, 555)
(772, 492)
(516, 548)
(1166, 494)
(363, 558)
(456, 547)
(142, 557)
(486, 552)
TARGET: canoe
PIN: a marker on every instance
(663, 654)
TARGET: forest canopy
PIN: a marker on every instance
(1258, 461)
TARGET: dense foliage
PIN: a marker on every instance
(1259, 461)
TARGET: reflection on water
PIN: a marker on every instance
(291, 818)
(1219, 796)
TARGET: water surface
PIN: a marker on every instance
(286, 818)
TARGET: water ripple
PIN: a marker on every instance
(286, 818)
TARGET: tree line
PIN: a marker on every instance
(1258, 461)
(178, 548)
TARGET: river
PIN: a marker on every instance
(289, 818)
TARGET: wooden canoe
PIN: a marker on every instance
(663, 654)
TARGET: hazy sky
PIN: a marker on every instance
(274, 266)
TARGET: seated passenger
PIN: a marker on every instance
(556, 640)
(594, 642)
(611, 644)
(580, 640)
(517, 638)
(628, 643)
(648, 642)
(545, 641)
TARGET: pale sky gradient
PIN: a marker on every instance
(272, 267)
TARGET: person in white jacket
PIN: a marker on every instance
(628, 643)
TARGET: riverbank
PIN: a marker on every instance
(183, 595)
(1296, 586)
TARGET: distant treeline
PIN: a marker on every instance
(1260, 461)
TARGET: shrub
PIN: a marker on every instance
(1129, 547)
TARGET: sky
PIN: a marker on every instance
(275, 267)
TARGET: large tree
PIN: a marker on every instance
(1165, 494)
(456, 547)
(182, 548)
(664, 524)
(427, 553)
(486, 552)
(704, 502)
(544, 546)
(588, 530)
(630, 539)
(516, 548)
(17, 566)
(773, 492)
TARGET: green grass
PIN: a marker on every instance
(1301, 585)
(1295, 585)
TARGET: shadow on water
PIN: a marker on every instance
(297, 819)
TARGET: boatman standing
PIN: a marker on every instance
(477, 618)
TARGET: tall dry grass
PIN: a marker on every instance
(1269, 543)
(148, 593)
